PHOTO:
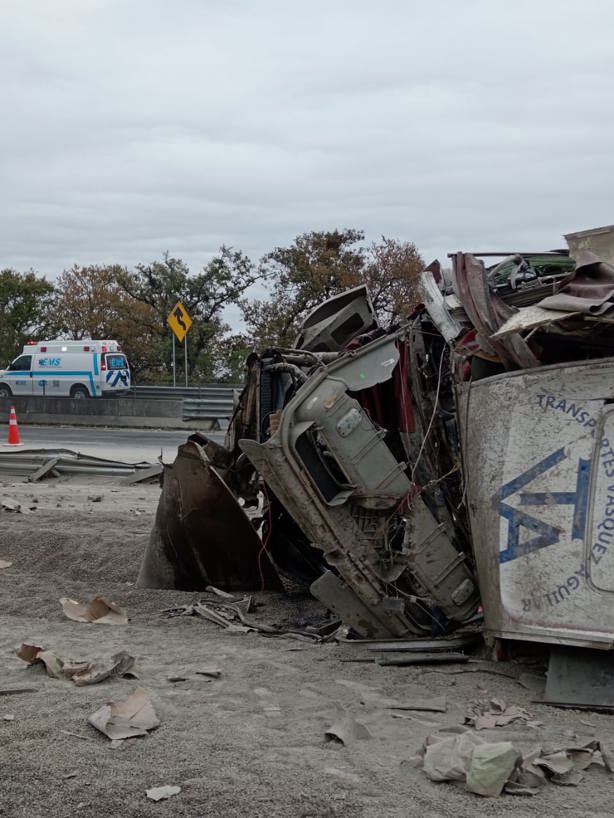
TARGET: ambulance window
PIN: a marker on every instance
(21, 364)
(116, 361)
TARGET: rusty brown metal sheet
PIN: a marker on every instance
(201, 535)
(488, 312)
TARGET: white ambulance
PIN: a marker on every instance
(75, 369)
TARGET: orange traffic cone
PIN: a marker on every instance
(13, 438)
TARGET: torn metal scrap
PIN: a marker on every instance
(590, 289)
(48, 467)
(16, 691)
(36, 463)
(202, 536)
(456, 642)
(145, 475)
(407, 659)
(232, 617)
(399, 473)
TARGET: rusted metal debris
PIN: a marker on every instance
(401, 472)
(201, 535)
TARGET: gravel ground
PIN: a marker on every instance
(250, 743)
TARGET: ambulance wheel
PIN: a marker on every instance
(5, 391)
(79, 392)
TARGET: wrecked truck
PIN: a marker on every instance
(411, 475)
(348, 442)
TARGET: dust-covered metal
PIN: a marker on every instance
(201, 535)
(408, 475)
(358, 500)
(33, 462)
(539, 467)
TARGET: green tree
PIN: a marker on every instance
(314, 267)
(392, 271)
(25, 299)
(318, 265)
(229, 362)
(221, 283)
(90, 303)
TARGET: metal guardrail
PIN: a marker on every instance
(212, 402)
(209, 408)
(202, 392)
(64, 461)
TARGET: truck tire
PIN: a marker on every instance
(79, 392)
(5, 391)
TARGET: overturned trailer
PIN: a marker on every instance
(397, 471)
(537, 438)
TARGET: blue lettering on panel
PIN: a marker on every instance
(545, 534)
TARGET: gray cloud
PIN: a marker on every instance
(134, 128)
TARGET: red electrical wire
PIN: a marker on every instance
(265, 542)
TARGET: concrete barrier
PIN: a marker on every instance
(141, 413)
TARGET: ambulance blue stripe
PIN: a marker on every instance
(52, 375)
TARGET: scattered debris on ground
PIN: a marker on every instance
(88, 672)
(494, 713)
(8, 504)
(36, 654)
(234, 617)
(160, 793)
(99, 611)
(346, 730)
(133, 717)
(276, 695)
(411, 479)
(492, 767)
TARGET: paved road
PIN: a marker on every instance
(130, 445)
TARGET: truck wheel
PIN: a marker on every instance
(79, 392)
(5, 391)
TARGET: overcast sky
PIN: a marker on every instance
(132, 127)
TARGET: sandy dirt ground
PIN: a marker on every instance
(250, 743)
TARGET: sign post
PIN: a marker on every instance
(174, 366)
(180, 322)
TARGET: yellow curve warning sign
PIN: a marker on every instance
(179, 321)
